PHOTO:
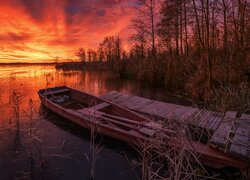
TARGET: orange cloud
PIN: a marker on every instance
(40, 30)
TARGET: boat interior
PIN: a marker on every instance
(87, 104)
(75, 100)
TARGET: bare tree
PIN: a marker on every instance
(118, 47)
(139, 38)
(144, 24)
(81, 54)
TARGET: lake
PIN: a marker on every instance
(38, 144)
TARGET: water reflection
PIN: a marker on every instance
(38, 145)
(45, 146)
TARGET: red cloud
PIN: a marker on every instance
(36, 31)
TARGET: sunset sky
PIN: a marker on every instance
(40, 30)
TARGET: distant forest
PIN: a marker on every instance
(198, 46)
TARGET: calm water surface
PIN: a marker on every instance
(44, 145)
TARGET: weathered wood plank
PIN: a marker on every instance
(50, 92)
(190, 115)
(237, 150)
(221, 135)
(211, 120)
(136, 103)
(179, 113)
(152, 108)
(108, 94)
(216, 122)
(240, 142)
(203, 117)
(208, 120)
(99, 106)
(245, 120)
(122, 99)
(195, 116)
(164, 109)
(111, 95)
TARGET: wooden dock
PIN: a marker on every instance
(229, 133)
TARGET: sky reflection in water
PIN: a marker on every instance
(47, 146)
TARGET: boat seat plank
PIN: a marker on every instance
(55, 92)
(221, 135)
(100, 106)
(69, 104)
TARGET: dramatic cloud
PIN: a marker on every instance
(40, 30)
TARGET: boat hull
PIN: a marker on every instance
(85, 123)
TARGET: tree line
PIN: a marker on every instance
(186, 44)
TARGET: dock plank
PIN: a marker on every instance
(229, 133)
(110, 95)
(179, 112)
(164, 110)
(136, 103)
(201, 119)
(121, 99)
(208, 120)
(190, 115)
(152, 108)
(245, 120)
(216, 122)
(220, 137)
(240, 142)
(211, 120)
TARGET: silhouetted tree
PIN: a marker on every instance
(144, 25)
(81, 54)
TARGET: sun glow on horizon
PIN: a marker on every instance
(41, 31)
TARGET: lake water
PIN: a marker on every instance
(46, 146)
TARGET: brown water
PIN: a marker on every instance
(46, 146)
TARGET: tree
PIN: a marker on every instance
(144, 24)
(81, 54)
(111, 49)
(139, 38)
(118, 46)
(100, 53)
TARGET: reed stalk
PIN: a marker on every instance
(15, 101)
(161, 160)
(95, 146)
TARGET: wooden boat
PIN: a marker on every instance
(90, 111)
(112, 120)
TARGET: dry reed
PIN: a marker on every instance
(230, 98)
(163, 159)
